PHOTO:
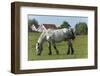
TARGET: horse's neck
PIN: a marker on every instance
(41, 38)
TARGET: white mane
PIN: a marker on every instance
(41, 37)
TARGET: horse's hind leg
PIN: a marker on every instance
(50, 52)
(70, 46)
(72, 50)
(68, 50)
(54, 45)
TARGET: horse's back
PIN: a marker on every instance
(56, 35)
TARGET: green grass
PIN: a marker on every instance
(80, 46)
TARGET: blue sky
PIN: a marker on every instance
(58, 20)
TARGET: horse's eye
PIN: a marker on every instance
(37, 43)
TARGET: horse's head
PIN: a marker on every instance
(72, 33)
(38, 48)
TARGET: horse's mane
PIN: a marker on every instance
(41, 36)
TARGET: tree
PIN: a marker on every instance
(65, 24)
(81, 29)
(31, 22)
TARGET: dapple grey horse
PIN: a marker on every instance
(52, 36)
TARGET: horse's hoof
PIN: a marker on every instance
(57, 53)
(72, 53)
(49, 54)
(67, 53)
(39, 54)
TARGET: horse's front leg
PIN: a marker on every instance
(54, 45)
(49, 46)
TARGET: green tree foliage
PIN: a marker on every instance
(81, 29)
(31, 22)
(65, 24)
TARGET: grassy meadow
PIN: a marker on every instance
(80, 46)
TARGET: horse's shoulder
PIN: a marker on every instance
(49, 30)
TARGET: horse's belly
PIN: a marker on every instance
(58, 37)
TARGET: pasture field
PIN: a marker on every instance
(80, 45)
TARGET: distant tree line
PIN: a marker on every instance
(80, 28)
(31, 22)
(65, 24)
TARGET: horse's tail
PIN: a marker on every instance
(73, 33)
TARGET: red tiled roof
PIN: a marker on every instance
(50, 26)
